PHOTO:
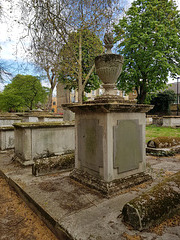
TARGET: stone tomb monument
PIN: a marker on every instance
(110, 133)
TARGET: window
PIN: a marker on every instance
(72, 99)
(54, 103)
(100, 91)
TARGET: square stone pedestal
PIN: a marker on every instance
(110, 145)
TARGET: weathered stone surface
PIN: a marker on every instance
(168, 236)
(39, 140)
(111, 99)
(127, 145)
(174, 230)
(109, 107)
(108, 67)
(101, 141)
(68, 115)
(40, 116)
(8, 120)
(53, 164)
(90, 152)
(158, 121)
(154, 205)
(171, 121)
(42, 124)
(109, 188)
(163, 142)
(163, 151)
(6, 137)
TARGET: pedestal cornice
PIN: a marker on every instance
(108, 107)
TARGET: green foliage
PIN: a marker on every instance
(153, 131)
(149, 97)
(149, 41)
(91, 47)
(162, 102)
(24, 92)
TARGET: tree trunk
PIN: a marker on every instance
(49, 103)
(141, 93)
(80, 85)
(52, 80)
(141, 98)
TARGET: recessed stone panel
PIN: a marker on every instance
(90, 144)
(127, 148)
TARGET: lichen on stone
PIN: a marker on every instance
(53, 164)
(43, 124)
(155, 205)
(164, 142)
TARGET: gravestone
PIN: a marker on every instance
(110, 134)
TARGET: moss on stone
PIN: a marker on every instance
(53, 164)
(6, 128)
(155, 205)
(164, 142)
(43, 124)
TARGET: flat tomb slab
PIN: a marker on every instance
(39, 140)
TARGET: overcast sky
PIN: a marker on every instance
(9, 36)
(10, 31)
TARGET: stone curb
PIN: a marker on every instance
(50, 222)
(154, 205)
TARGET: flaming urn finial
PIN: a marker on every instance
(109, 66)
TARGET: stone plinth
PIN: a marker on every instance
(110, 143)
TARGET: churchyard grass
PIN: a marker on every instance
(153, 131)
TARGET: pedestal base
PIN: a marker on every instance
(109, 188)
(111, 99)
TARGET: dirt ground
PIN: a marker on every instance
(17, 220)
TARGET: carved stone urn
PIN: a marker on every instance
(109, 66)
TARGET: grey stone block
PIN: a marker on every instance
(127, 145)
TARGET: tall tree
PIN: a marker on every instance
(91, 47)
(52, 21)
(149, 41)
(25, 91)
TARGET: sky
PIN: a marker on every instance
(10, 31)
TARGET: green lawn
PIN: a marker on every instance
(152, 132)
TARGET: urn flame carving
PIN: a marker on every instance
(109, 65)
